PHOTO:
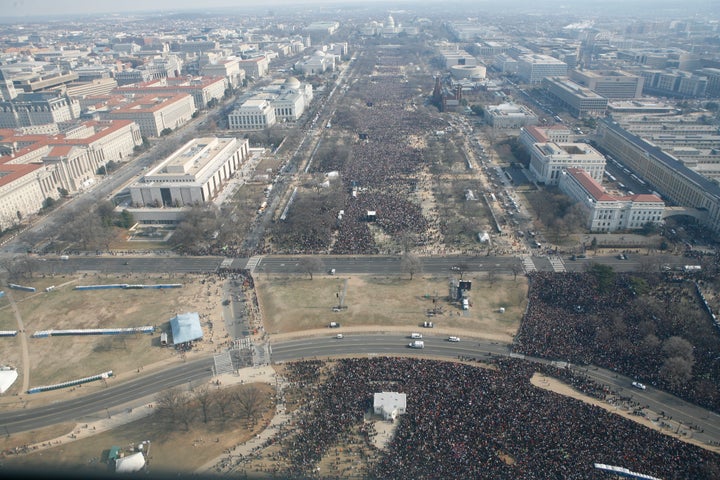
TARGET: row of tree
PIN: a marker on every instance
(176, 407)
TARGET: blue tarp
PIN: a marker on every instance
(186, 327)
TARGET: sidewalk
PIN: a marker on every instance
(224, 463)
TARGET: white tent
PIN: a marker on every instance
(130, 464)
(8, 376)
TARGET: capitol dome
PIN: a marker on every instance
(292, 82)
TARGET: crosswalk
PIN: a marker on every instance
(557, 264)
(261, 354)
(223, 363)
(528, 264)
(253, 262)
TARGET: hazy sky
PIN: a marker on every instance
(55, 7)
(20, 8)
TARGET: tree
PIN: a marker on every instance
(310, 265)
(174, 406)
(85, 230)
(106, 211)
(678, 347)
(492, 277)
(410, 264)
(249, 402)
(462, 267)
(18, 267)
(515, 269)
(205, 399)
(478, 110)
(604, 276)
(676, 371)
(126, 219)
(195, 231)
(49, 203)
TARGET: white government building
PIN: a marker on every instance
(279, 102)
(193, 174)
(607, 212)
(547, 161)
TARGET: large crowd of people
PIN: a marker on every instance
(569, 318)
(465, 421)
(379, 174)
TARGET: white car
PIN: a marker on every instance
(639, 385)
(339, 335)
(453, 339)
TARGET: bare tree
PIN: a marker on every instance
(492, 277)
(222, 400)
(18, 267)
(205, 399)
(461, 267)
(410, 264)
(249, 402)
(310, 265)
(678, 347)
(515, 269)
(175, 406)
(676, 371)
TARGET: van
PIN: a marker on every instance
(465, 304)
(416, 335)
(417, 344)
(64, 257)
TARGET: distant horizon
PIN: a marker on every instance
(19, 9)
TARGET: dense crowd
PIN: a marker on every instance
(464, 421)
(569, 318)
(379, 174)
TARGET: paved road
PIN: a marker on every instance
(343, 265)
(197, 371)
(327, 345)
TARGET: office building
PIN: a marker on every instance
(611, 84)
(608, 213)
(532, 68)
(253, 114)
(547, 161)
(194, 174)
(580, 101)
(154, 113)
(664, 173)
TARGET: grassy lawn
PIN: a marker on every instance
(293, 303)
(59, 359)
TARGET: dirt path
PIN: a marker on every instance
(23, 341)
(554, 385)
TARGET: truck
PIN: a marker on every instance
(417, 344)
(416, 335)
(692, 268)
